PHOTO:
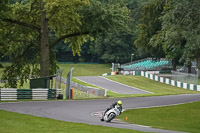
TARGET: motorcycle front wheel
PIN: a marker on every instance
(111, 117)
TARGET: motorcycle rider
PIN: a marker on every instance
(118, 104)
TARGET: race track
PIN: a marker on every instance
(111, 85)
(82, 111)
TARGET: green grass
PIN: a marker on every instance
(150, 85)
(85, 69)
(84, 83)
(185, 117)
(79, 69)
(20, 123)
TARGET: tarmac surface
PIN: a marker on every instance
(89, 111)
(111, 85)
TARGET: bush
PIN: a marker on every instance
(1, 66)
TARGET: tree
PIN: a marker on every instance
(170, 28)
(119, 47)
(115, 48)
(149, 26)
(110, 48)
(33, 28)
(181, 23)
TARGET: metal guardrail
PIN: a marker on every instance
(7, 94)
(87, 89)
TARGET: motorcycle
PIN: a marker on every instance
(110, 114)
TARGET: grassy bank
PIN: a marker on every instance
(185, 117)
(79, 69)
(20, 123)
(150, 85)
(85, 69)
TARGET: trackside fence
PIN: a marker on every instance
(7, 94)
(152, 76)
(185, 77)
(87, 89)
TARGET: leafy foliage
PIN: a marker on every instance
(181, 24)
(118, 47)
(28, 28)
(149, 25)
(115, 48)
(170, 28)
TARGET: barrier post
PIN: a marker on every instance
(68, 87)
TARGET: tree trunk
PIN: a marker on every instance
(189, 69)
(44, 46)
(174, 64)
(198, 67)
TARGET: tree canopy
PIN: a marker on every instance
(37, 26)
(170, 28)
(34, 32)
(181, 25)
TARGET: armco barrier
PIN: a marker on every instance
(40, 94)
(24, 93)
(8, 94)
(88, 89)
(34, 94)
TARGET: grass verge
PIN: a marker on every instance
(20, 123)
(79, 69)
(150, 85)
(184, 117)
(85, 69)
(84, 83)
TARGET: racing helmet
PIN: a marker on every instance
(119, 102)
